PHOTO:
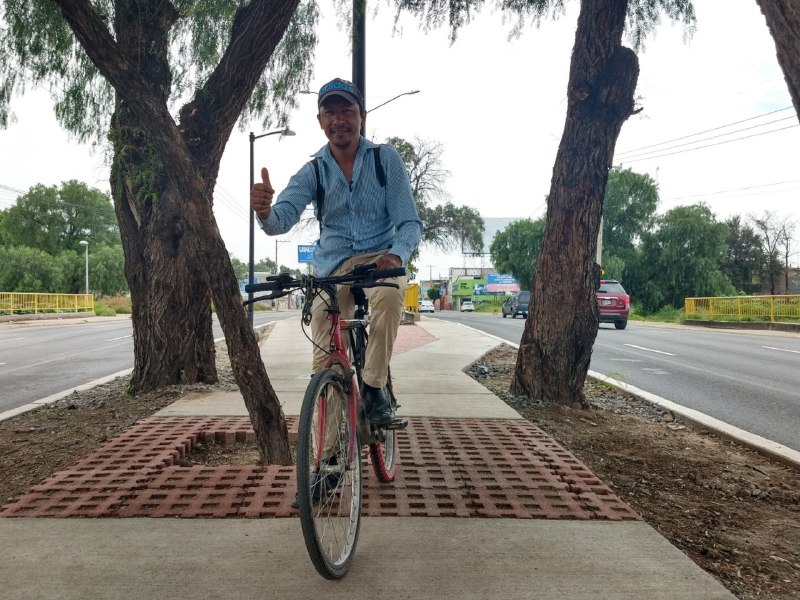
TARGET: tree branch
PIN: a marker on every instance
(257, 30)
(152, 114)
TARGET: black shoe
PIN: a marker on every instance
(379, 409)
(322, 486)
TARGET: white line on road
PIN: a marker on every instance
(650, 349)
(122, 337)
(11, 339)
(781, 349)
(628, 359)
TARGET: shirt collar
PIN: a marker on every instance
(325, 151)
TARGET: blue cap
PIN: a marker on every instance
(343, 88)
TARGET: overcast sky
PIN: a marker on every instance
(498, 107)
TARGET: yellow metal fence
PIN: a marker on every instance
(12, 303)
(744, 308)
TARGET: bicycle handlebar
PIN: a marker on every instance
(362, 276)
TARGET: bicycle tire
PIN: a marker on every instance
(331, 521)
(383, 454)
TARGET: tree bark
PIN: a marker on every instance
(783, 21)
(171, 306)
(163, 178)
(559, 333)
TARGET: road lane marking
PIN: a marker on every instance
(11, 339)
(781, 349)
(655, 371)
(122, 337)
(650, 349)
(628, 359)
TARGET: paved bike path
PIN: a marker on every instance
(465, 458)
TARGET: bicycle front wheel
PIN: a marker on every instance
(383, 449)
(328, 482)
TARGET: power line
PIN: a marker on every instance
(713, 137)
(754, 190)
(707, 130)
(709, 145)
(11, 189)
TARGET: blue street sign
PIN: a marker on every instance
(305, 253)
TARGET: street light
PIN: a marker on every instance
(411, 93)
(85, 245)
(251, 262)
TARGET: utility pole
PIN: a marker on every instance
(359, 51)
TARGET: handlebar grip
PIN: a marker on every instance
(269, 286)
(274, 283)
(361, 269)
(387, 273)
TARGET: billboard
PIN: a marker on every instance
(305, 253)
(505, 282)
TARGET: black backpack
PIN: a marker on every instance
(320, 196)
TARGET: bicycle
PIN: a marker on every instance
(333, 424)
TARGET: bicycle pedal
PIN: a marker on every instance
(397, 424)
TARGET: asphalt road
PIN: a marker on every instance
(747, 379)
(41, 360)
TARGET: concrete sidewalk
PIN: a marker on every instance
(485, 505)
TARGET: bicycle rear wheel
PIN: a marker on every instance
(383, 451)
(328, 484)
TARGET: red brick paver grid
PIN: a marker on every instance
(448, 467)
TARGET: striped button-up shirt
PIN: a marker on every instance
(358, 217)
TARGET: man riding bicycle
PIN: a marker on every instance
(363, 201)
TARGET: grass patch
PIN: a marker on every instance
(666, 314)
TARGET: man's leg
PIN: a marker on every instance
(386, 311)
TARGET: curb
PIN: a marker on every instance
(755, 442)
(748, 325)
(15, 412)
(772, 449)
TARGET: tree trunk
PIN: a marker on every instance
(783, 20)
(163, 179)
(171, 307)
(556, 344)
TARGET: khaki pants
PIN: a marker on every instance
(386, 310)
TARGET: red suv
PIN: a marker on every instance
(614, 303)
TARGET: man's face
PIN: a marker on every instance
(341, 121)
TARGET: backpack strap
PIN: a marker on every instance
(320, 194)
(379, 172)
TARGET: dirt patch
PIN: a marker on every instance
(733, 511)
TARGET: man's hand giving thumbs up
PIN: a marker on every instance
(261, 195)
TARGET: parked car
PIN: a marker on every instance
(426, 306)
(614, 303)
(516, 305)
(467, 306)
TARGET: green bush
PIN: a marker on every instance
(102, 310)
(120, 304)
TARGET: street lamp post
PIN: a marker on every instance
(359, 43)
(85, 245)
(251, 258)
